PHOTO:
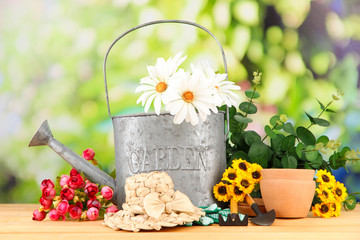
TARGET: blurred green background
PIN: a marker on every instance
(51, 55)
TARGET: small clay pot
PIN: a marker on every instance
(244, 208)
(288, 191)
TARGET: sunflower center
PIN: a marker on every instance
(237, 191)
(222, 190)
(232, 176)
(325, 178)
(188, 96)
(245, 183)
(333, 207)
(256, 175)
(338, 192)
(242, 166)
(325, 193)
(324, 209)
(161, 87)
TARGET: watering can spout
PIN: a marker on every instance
(44, 137)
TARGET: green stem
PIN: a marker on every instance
(328, 105)
(247, 110)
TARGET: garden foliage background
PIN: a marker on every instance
(51, 55)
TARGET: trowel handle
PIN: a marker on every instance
(249, 200)
(157, 22)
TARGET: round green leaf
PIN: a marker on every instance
(336, 161)
(260, 153)
(289, 162)
(311, 153)
(251, 137)
(242, 119)
(288, 127)
(299, 149)
(252, 94)
(317, 162)
(270, 132)
(288, 143)
(350, 202)
(323, 139)
(305, 136)
(321, 122)
(248, 107)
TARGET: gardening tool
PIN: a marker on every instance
(193, 156)
(262, 219)
(233, 219)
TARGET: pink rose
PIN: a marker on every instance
(64, 180)
(112, 209)
(62, 208)
(45, 203)
(91, 189)
(38, 216)
(93, 203)
(46, 183)
(92, 213)
(88, 154)
(107, 192)
(54, 215)
(74, 212)
(67, 193)
(48, 193)
(73, 172)
(76, 182)
(79, 205)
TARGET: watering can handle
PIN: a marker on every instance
(165, 21)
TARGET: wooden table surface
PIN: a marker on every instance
(16, 223)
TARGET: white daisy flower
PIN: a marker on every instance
(192, 94)
(156, 86)
(223, 88)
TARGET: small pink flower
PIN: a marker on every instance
(112, 209)
(107, 192)
(45, 203)
(64, 180)
(74, 212)
(67, 193)
(48, 193)
(62, 208)
(73, 172)
(76, 182)
(92, 213)
(93, 203)
(38, 216)
(79, 205)
(54, 215)
(91, 189)
(46, 183)
(88, 154)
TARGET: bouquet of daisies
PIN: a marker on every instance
(185, 95)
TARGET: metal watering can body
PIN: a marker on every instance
(193, 156)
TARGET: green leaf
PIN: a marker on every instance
(289, 128)
(288, 143)
(260, 153)
(318, 162)
(274, 122)
(247, 107)
(350, 202)
(252, 94)
(323, 139)
(336, 161)
(251, 137)
(113, 173)
(235, 126)
(321, 122)
(289, 162)
(270, 132)
(305, 136)
(276, 162)
(330, 111)
(242, 119)
(322, 106)
(299, 149)
(310, 118)
(276, 142)
(237, 138)
(311, 153)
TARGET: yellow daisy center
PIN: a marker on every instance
(237, 191)
(325, 178)
(245, 183)
(188, 96)
(324, 209)
(161, 87)
(338, 192)
(256, 175)
(325, 193)
(232, 176)
(242, 166)
(222, 190)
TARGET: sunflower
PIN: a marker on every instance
(241, 164)
(238, 194)
(231, 175)
(325, 194)
(335, 208)
(222, 191)
(246, 183)
(325, 178)
(255, 171)
(322, 210)
(339, 191)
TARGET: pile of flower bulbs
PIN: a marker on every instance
(151, 203)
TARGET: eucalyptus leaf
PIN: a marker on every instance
(323, 139)
(269, 132)
(336, 161)
(251, 137)
(276, 142)
(311, 153)
(289, 162)
(247, 107)
(274, 120)
(321, 122)
(330, 110)
(322, 106)
(288, 143)
(317, 162)
(299, 149)
(305, 136)
(242, 119)
(252, 94)
(310, 118)
(260, 153)
(289, 128)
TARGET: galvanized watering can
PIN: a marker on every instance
(193, 156)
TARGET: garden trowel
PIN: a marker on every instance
(262, 219)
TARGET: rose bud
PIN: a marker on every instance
(88, 154)
(76, 182)
(93, 203)
(107, 192)
(74, 212)
(112, 209)
(73, 172)
(92, 213)
(62, 207)
(54, 215)
(48, 193)
(38, 215)
(64, 180)
(91, 189)
(46, 183)
(67, 193)
(45, 203)
(79, 205)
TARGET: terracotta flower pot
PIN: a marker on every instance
(288, 191)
